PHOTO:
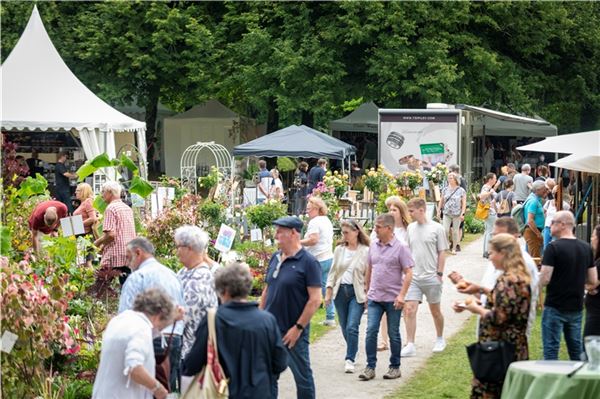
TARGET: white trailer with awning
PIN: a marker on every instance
(450, 133)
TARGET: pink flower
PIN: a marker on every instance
(28, 321)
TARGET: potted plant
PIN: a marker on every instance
(249, 175)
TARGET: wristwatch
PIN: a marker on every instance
(441, 274)
(299, 326)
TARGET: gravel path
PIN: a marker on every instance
(327, 354)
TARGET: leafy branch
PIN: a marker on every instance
(137, 185)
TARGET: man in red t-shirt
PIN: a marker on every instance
(45, 219)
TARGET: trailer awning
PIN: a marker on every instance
(496, 123)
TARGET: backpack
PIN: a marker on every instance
(518, 214)
(504, 207)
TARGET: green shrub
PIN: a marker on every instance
(285, 164)
(257, 256)
(472, 224)
(263, 215)
(212, 213)
(211, 180)
(77, 389)
(161, 229)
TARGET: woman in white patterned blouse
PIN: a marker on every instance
(196, 280)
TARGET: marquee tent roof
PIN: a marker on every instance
(362, 119)
(296, 141)
(585, 143)
(39, 91)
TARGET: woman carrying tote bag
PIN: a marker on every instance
(250, 353)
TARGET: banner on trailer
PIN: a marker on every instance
(408, 136)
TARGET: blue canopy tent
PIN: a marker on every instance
(296, 141)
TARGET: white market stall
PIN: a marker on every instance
(41, 94)
(584, 148)
(209, 121)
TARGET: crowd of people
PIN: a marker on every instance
(385, 274)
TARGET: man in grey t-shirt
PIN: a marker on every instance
(428, 243)
(523, 183)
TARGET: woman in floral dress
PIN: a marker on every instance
(504, 317)
(196, 280)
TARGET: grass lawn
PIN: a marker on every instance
(316, 328)
(449, 375)
(468, 238)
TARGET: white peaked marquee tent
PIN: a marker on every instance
(40, 93)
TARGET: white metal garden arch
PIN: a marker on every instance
(189, 165)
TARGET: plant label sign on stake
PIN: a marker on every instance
(225, 238)
(8, 341)
(72, 225)
(256, 235)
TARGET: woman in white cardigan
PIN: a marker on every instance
(346, 285)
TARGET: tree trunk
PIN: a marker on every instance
(272, 116)
(151, 114)
(151, 108)
(308, 118)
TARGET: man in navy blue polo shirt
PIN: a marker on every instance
(293, 294)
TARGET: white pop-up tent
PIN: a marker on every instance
(40, 93)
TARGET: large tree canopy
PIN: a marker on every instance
(304, 62)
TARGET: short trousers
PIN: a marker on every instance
(432, 288)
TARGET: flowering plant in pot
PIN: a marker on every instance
(410, 178)
(376, 180)
(437, 174)
(337, 181)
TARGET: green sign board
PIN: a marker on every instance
(430, 149)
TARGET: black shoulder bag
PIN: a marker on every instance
(490, 360)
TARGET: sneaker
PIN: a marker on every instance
(329, 323)
(439, 346)
(485, 255)
(349, 366)
(457, 248)
(392, 374)
(409, 351)
(367, 374)
(452, 252)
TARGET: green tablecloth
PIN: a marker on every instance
(540, 379)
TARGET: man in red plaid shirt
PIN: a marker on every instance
(118, 229)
